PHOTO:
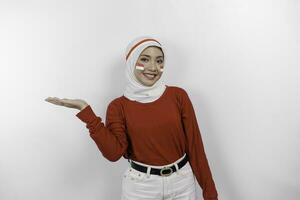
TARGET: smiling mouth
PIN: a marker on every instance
(149, 76)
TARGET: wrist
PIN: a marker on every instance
(83, 106)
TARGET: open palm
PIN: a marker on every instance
(70, 103)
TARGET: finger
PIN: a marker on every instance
(51, 98)
(61, 102)
(56, 101)
(48, 98)
(66, 102)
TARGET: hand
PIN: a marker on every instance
(71, 103)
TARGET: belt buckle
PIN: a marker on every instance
(166, 168)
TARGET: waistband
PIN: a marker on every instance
(158, 166)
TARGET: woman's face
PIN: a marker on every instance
(152, 59)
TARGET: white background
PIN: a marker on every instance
(237, 59)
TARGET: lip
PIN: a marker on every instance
(150, 74)
(149, 78)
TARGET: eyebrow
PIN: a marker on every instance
(150, 56)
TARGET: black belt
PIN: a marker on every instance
(165, 171)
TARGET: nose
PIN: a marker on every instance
(153, 66)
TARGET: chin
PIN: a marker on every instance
(149, 84)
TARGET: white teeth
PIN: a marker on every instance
(150, 76)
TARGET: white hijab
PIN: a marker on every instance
(135, 90)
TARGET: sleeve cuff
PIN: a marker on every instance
(86, 115)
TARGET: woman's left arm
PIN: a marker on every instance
(195, 149)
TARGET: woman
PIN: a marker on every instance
(154, 126)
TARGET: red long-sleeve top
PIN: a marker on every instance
(155, 133)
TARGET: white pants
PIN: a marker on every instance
(180, 185)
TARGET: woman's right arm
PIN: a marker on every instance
(110, 138)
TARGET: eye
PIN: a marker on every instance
(144, 59)
(160, 61)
